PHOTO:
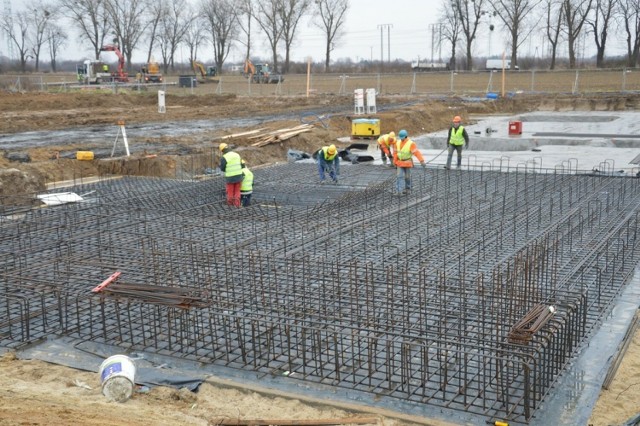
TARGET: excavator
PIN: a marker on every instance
(96, 72)
(260, 73)
(206, 74)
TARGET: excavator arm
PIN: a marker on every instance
(121, 76)
(249, 68)
(198, 67)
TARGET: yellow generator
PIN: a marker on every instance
(365, 128)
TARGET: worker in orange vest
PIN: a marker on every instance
(385, 143)
(403, 159)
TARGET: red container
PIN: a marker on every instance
(515, 127)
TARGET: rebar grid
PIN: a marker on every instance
(408, 297)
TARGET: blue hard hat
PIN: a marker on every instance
(403, 134)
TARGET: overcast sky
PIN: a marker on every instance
(409, 36)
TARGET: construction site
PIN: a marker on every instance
(477, 298)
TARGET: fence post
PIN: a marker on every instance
(575, 83)
(533, 80)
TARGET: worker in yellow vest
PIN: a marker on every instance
(385, 143)
(403, 159)
(231, 165)
(456, 138)
(328, 162)
(246, 187)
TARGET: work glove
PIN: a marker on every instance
(466, 146)
(384, 160)
(424, 166)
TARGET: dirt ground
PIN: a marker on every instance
(37, 393)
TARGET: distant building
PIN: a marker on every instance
(423, 66)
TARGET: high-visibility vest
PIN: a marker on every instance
(326, 155)
(234, 164)
(456, 136)
(385, 140)
(247, 183)
(404, 152)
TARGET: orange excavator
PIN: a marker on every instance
(260, 73)
(120, 74)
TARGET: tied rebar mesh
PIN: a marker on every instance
(472, 293)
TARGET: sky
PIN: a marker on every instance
(374, 29)
(406, 35)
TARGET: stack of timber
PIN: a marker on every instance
(280, 135)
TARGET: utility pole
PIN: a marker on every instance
(382, 27)
(436, 44)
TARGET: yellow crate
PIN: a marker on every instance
(365, 128)
(84, 155)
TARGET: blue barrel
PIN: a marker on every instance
(492, 95)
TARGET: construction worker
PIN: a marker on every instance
(456, 138)
(246, 187)
(231, 165)
(385, 143)
(403, 159)
(328, 161)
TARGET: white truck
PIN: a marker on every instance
(497, 64)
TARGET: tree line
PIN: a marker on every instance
(42, 27)
(164, 25)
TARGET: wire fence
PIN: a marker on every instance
(460, 83)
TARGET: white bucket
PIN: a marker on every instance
(117, 375)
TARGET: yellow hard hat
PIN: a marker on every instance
(223, 146)
(457, 119)
(392, 135)
(332, 149)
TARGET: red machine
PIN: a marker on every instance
(119, 75)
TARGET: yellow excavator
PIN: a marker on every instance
(206, 74)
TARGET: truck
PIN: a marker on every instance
(497, 64)
(151, 73)
(261, 73)
(96, 72)
(93, 72)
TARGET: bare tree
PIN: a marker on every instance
(555, 18)
(290, 13)
(245, 14)
(195, 37)
(173, 27)
(17, 30)
(128, 25)
(469, 17)
(221, 20)
(40, 17)
(332, 18)
(451, 30)
(56, 38)
(575, 14)
(600, 26)
(268, 17)
(629, 14)
(514, 15)
(156, 10)
(90, 19)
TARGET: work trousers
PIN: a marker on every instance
(458, 149)
(233, 194)
(245, 199)
(403, 179)
(331, 167)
